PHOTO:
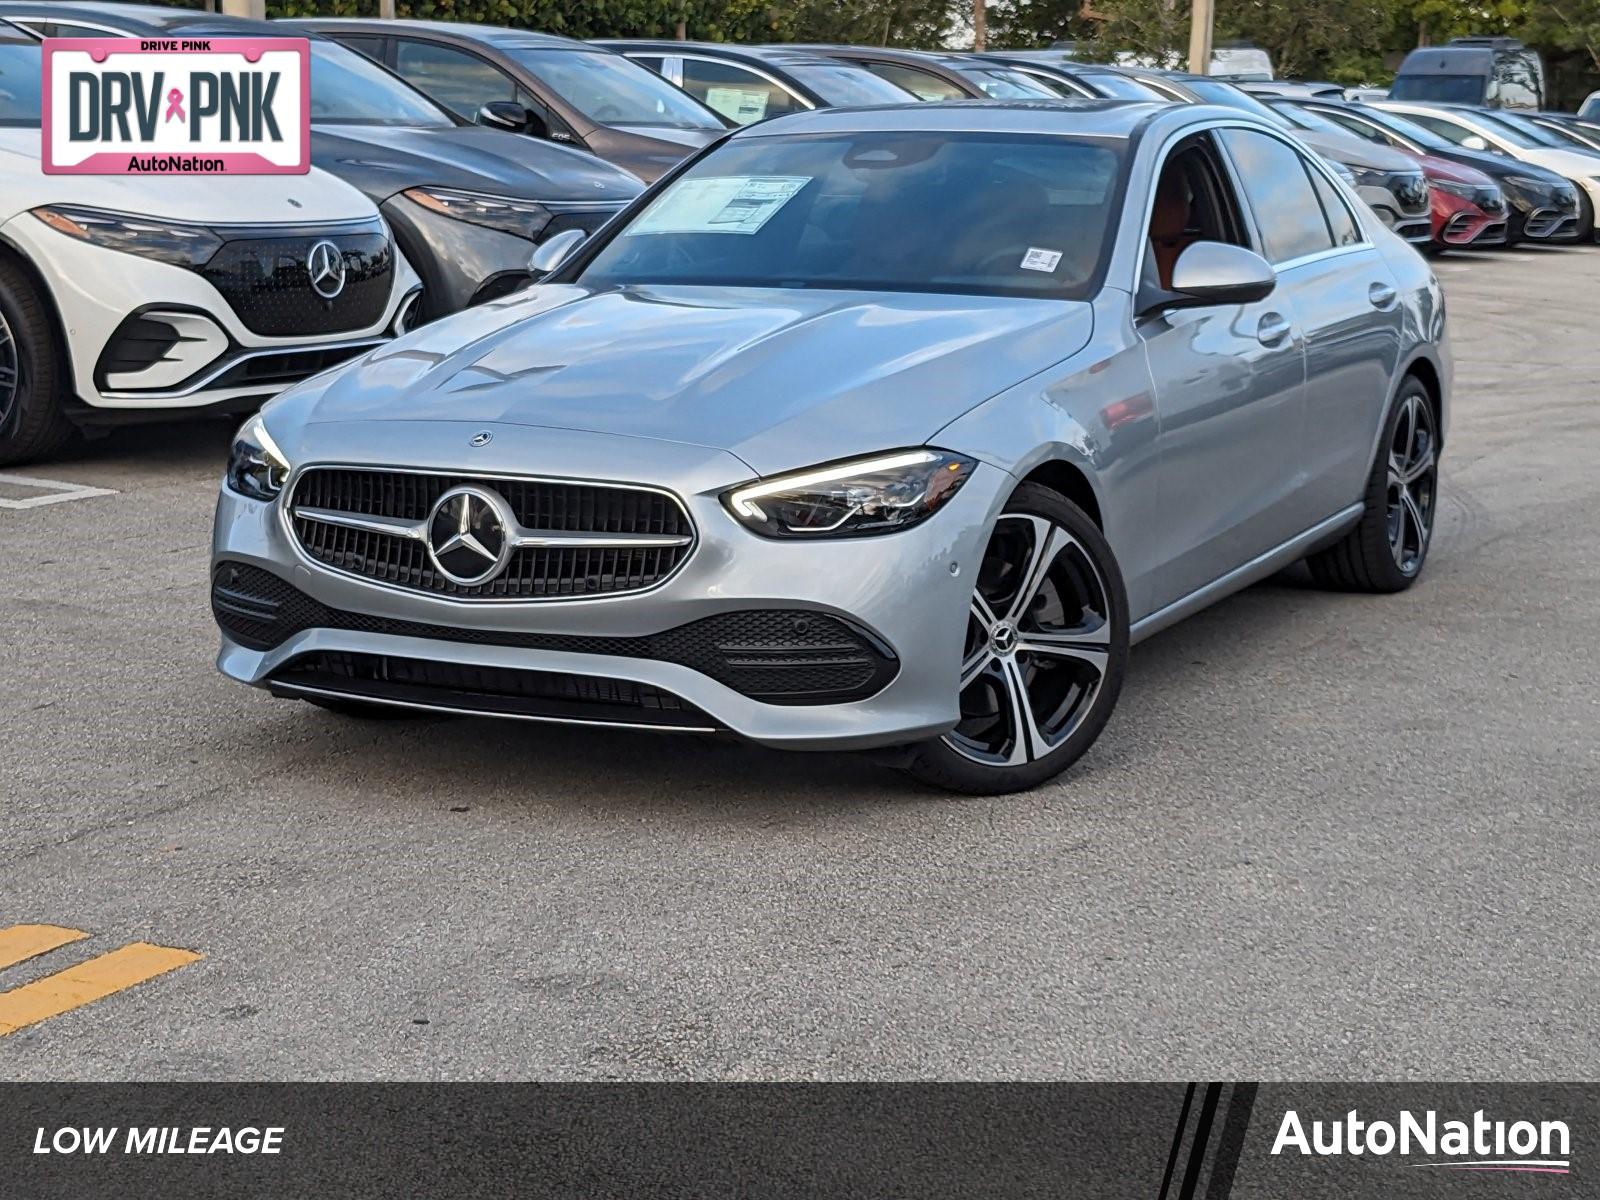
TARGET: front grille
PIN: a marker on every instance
(492, 691)
(267, 282)
(778, 656)
(531, 574)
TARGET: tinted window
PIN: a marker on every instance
(654, 61)
(740, 95)
(1340, 220)
(1120, 87)
(21, 78)
(1213, 92)
(1056, 84)
(70, 29)
(1458, 135)
(1405, 128)
(1517, 130)
(970, 213)
(1279, 190)
(461, 82)
(349, 89)
(1000, 83)
(1441, 89)
(844, 84)
(612, 90)
(372, 47)
(920, 84)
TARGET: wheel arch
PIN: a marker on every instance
(1425, 371)
(11, 254)
(1070, 481)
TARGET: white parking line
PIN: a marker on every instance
(55, 491)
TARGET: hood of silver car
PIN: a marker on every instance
(779, 377)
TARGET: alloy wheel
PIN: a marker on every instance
(1038, 644)
(1413, 484)
(10, 374)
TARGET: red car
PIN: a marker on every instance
(1468, 207)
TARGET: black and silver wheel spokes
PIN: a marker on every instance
(10, 382)
(1413, 484)
(1038, 644)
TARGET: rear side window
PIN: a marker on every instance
(921, 84)
(372, 47)
(1278, 187)
(740, 95)
(461, 82)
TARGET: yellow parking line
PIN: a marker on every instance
(93, 980)
(19, 943)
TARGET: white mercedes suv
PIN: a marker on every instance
(126, 295)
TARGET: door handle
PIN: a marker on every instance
(1381, 295)
(1273, 329)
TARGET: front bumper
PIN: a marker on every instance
(908, 591)
(215, 361)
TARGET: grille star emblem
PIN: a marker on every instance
(469, 535)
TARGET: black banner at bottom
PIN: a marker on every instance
(1193, 1141)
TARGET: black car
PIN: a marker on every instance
(545, 86)
(467, 204)
(940, 76)
(746, 84)
(1531, 191)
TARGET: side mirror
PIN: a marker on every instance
(553, 251)
(1217, 273)
(1474, 142)
(503, 114)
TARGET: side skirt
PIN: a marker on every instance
(1241, 577)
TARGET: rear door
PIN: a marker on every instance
(1347, 303)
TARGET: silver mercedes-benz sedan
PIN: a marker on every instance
(874, 428)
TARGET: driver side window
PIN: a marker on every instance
(1193, 202)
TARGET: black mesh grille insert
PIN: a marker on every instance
(532, 574)
(267, 283)
(494, 691)
(780, 656)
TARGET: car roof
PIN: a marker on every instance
(500, 36)
(151, 18)
(773, 55)
(1080, 117)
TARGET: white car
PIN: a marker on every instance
(124, 294)
(1474, 130)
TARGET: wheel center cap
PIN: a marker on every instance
(1003, 638)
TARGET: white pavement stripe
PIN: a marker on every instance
(59, 491)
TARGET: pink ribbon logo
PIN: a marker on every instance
(175, 105)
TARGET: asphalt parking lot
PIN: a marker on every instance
(1324, 836)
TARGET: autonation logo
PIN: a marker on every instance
(1476, 1145)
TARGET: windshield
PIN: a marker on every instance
(1120, 87)
(1507, 132)
(612, 90)
(840, 86)
(21, 76)
(349, 89)
(984, 213)
(1214, 92)
(1442, 89)
(1002, 83)
(1408, 131)
(1515, 126)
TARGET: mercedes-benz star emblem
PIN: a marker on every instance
(480, 439)
(469, 535)
(325, 265)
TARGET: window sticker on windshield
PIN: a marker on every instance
(730, 204)
(1040, 260)
(744, 105)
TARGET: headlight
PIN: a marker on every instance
(1370, 177)
(256, 467)
(525, 218)
(165, 241)
(852, 499)
(1466, 191)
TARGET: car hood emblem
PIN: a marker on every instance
(469, 535)
(325, 267)
(480, 439)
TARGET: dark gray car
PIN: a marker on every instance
(548, 87)
(467, 204)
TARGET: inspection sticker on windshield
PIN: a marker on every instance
(1040, 260)
(177, 106)
(730, 204)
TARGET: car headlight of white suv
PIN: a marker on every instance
(173, 242)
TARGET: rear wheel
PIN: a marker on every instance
(1046, 643)
(32, 373)
(1386, 549)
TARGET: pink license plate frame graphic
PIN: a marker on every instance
(118, 161)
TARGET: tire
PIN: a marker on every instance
(361, 710)
(1021, 598)
(33, 374)
(1388, 546)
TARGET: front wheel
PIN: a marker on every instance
(1046, 644)
(32, 374)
